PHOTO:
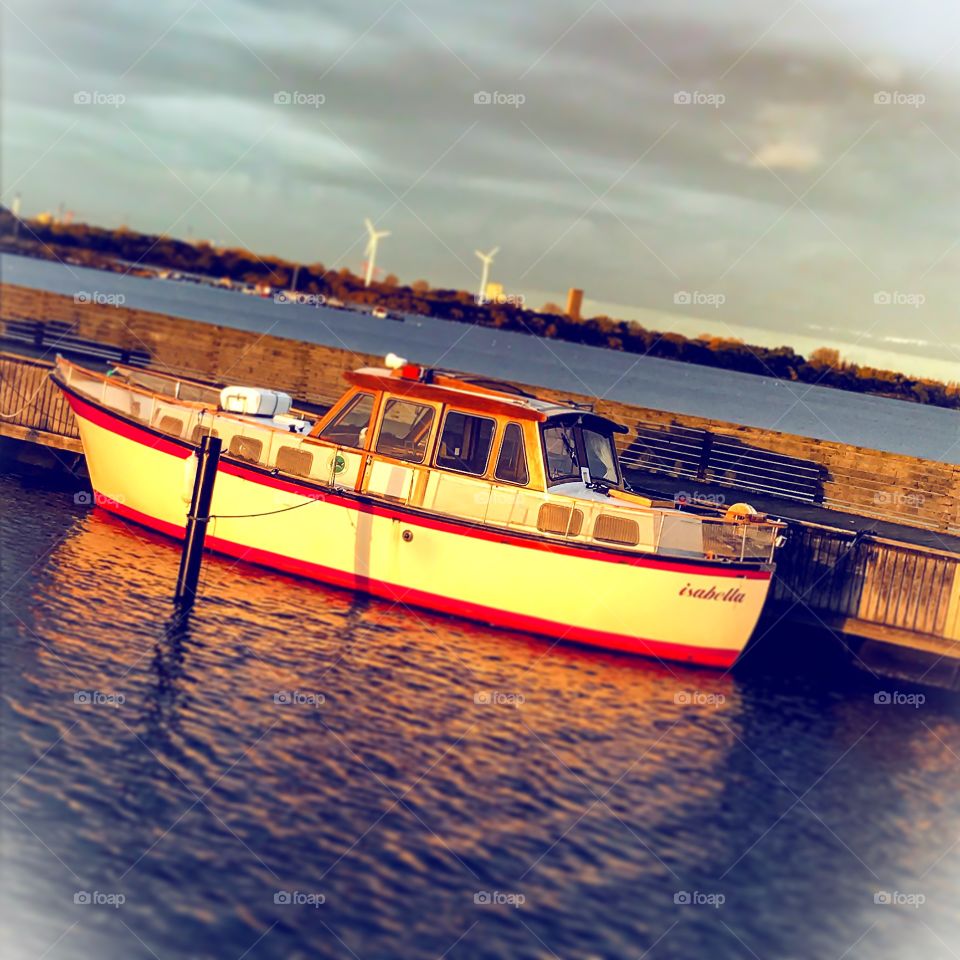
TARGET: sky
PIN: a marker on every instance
(783, 170)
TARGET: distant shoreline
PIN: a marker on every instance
(116, 250)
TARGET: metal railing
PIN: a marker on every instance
(740, 541)
(737, 465)
(29, 398)
(678, 451)
(837, 574)
(697, 454)
(57, 336)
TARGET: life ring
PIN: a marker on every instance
(741, 513)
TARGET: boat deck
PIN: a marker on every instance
(791, 510)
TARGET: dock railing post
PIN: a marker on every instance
(706, 448)
(197, 519)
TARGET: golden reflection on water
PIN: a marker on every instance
(391, 675)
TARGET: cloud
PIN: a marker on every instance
(791, 136)
(787, 154)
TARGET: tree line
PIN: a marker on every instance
(104, 248)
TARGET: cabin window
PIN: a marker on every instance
(200, 431)
(465, 443)
(512, 462)
(246, 448)
(294, 460)
(349, 427)
(559, 441)
(404, 430)
(171, 425)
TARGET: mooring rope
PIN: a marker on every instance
(10, 416)
(266, 513)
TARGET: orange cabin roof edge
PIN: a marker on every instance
(443, 388)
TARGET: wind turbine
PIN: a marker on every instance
(486, 259)
(15, 210)
(375, 237)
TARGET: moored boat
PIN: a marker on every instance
(438, 490)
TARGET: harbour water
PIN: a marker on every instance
(879, 423)
(298, 772)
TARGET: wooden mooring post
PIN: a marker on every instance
(197, 520)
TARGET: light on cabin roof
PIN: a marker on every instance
(393, 362)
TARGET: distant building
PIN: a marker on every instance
(574, 303)
(494, 292)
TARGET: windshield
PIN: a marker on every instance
(563, 462)
(601, 456)
(560, 445)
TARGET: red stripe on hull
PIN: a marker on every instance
(432, 602)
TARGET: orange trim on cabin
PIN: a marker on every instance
(467, 400)
(535, 472)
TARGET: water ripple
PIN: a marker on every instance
(441, 786)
